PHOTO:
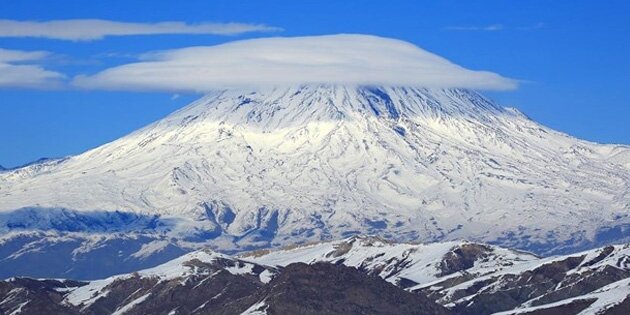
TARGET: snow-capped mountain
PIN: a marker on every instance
(243, 169)
(347, 276)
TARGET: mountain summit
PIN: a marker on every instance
(241, 169)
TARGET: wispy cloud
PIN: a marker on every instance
(347, 59)
(487, 28)
(17, 70)
(94, 29)
(532, 27)
(495, 27)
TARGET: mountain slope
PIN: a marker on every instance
(204, 282)
(358, 275)
(403, 264)
(198, 283)
(471, 278)
(240, 169)
(323, 288)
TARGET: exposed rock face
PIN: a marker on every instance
(29, 296)
(622, 308)
(472, 278)
(299, 288)
(198, 295)
(463, 257)
(552, 281)
(324, 288)
(360, 275)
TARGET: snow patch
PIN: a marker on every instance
(131, 305)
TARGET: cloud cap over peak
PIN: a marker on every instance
(332, 59)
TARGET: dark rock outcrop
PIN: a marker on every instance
(30, 296)
(471, 279)
(299, 288)
(324, 288)
(463, 257)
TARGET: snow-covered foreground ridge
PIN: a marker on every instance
(268, 167)
(474, 278)
(464, 277)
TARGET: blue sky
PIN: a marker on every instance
(572, 57)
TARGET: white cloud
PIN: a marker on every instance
(532, 27)
(7, 55)
(496, 27)
(14, 73)
(488, 28)
(92, 29)
(354, 59)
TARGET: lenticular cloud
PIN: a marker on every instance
(14, 73)
(331, 59)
